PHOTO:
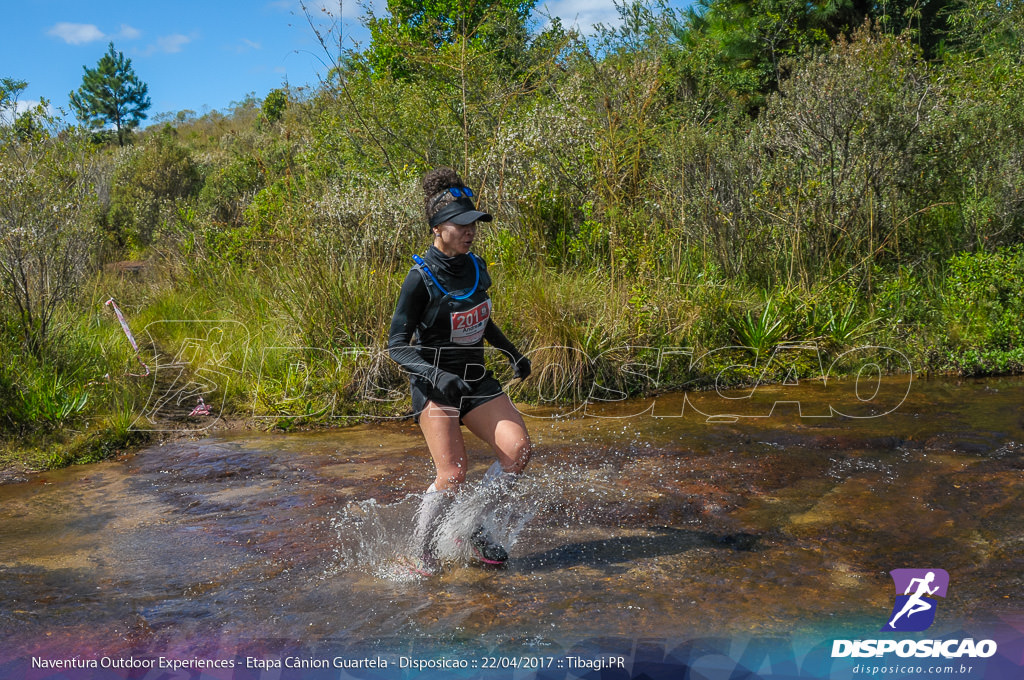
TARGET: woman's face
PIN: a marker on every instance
(452, 239)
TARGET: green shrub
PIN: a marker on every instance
(149, 184)
(983, 303)
(274, 105)
(228, 190)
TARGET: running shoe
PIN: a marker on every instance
(425, 566)
(486, 549)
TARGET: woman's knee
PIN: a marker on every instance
(519, 454)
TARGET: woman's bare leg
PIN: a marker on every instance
(498, 423)
(440, 426)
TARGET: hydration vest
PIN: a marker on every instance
(456, 301)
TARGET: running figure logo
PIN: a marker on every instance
(915, 608)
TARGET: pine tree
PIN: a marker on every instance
(111, 94)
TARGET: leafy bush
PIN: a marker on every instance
(149, 184)
(370, 220)
(47, 197)
(274, 105)
(228, 190)
(844, 137)
(983, 303)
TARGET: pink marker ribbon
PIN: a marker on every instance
(131, 339)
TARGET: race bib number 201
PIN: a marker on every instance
(468, 326)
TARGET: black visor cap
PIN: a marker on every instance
(461, 211)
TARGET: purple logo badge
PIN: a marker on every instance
(915, 598)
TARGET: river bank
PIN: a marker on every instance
(313, 356)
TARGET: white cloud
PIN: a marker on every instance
(244, 45)
(76, 34)
(128, 32)
(172, 43)
(7, 115)
(167, 44)
(21, 107)
(80, 34)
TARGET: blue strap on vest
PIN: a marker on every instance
(424, 268)
(438, 298)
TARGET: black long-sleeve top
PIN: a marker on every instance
(453, 339)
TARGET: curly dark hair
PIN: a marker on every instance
(436, 181)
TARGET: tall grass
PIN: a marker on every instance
(873, 200)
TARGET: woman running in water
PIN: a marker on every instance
(442, 317)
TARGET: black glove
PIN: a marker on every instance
(452, 387)
(521, 368)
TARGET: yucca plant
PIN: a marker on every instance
(840, 326)
(761, 333)
(844, 327)
(52, 400)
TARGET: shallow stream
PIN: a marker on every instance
(775, 524)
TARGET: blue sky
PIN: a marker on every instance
(193, 55)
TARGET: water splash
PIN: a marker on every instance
(502, 509)
(368, 535)
(374, 538)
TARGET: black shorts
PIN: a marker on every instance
(484, 390)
